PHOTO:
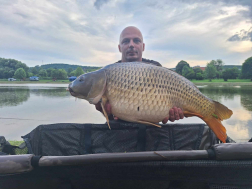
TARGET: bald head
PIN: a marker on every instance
(130, 30)
(131, 44)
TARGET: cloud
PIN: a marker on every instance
(242, 36)
(99, 3)
(83, 32)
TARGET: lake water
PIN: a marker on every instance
(24, 107)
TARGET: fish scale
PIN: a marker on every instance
(145, 93)
(158, 89)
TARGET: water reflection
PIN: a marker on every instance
(216, 93)
(13, 96)
(23, 108)
(238, 99)
(52, 93)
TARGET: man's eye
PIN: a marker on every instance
(137, 41)
(125, 41)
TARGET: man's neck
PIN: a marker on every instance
(139, 60)
(145, 61)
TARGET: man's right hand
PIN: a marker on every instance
(107, 109)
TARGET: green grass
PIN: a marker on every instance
(15, 142)
(5, 81)
(222, 81)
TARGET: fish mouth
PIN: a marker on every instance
(71, 91)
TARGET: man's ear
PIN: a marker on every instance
(143, 46)
(119, 48)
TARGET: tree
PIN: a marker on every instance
(69, 70)
(210, 71)
(49, 72)
(34, 71)
(20, 73)
(188, 72)
(79, 71)
(59, 74)
(22, 65)
(55, 74)
(9, 67)
(42, 73)
(218, 64)
(72, 73)
(226, 74)
(8, 72)
(247, 69)
(199, 76)
(230, 73)
(235, 72)
(197, 70)
(180, 66)
(29, 74)
(11, 73)
(62, 74)
(1, 73)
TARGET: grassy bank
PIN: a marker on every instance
(5, 81)
(205, 81)
(222, 81)
(230, 82)
(15, 142)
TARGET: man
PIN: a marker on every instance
(131, 46)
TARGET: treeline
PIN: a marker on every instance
(66, 67)
(13, 68)
(215, 70)
(8, 67)
(60, 71)
(56, 73)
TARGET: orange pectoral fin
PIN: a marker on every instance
(217, 127)
(190, 114)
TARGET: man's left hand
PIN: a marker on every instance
(174, 114)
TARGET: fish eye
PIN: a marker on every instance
(81, 78)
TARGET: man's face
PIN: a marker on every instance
(131, 45)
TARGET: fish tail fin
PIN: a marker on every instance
(214, 122)
(221, 111)
(217, 127)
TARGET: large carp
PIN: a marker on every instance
(145, 93)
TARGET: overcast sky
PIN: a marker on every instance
(87, 32)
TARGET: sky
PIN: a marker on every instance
(87, 32)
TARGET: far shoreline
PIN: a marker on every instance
(36, 82)
(231, 82)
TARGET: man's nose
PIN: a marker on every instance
(131, 44)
